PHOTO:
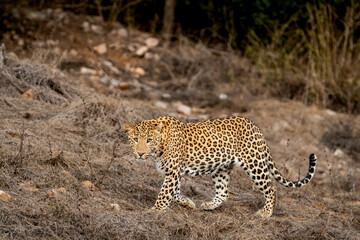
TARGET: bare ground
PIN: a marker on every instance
(67, 130)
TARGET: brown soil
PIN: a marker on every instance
(59, 128)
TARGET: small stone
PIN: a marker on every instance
(88, 185)
(166, 95)
(114, 82)
(85, 70)
(85, 26)
(105, 80)
(112, 68)
(123, 32)
(4, 196)
(152, 42)
(29, 95)
(115, 206)
(131, 48)
(73, 53)
(99, 30)
(223, 96)
(141, 51)
(330, 112)
(182, 108)
(21, 42)
(339, 153)
(160, 104)
(138, 71)
(100, 49)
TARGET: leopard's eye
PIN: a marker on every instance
(136, 139)
(148, 140)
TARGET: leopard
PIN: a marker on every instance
(212, 147)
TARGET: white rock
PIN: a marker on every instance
(4, 196)
(166, 95)
(99, 30)
(105, 80)
(182, 108)
(114, 82)
(85, 70)
(111, 66)
(223, 96)
(160, 104)
(339, 153)
(100, 49)
(123, 32)
(141, 51)
(152, 42)
(330, 112)
(85, 26)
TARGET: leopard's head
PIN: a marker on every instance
(144, 138)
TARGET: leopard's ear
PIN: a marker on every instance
(127, 126)
(158, 126)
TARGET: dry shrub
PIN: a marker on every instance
(38, 74)
(317, 65)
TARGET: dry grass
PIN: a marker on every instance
(317, 65)
(59, 141)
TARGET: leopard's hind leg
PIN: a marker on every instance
(220, 179)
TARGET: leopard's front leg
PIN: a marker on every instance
(167, 192)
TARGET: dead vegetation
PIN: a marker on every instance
(65, 162)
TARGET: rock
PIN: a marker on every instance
(105, 80)
(152, 42)
(29, 95)
(88, 185)
(35, 15)
(73, 53)
(28, 187)
(20, 42)
(160, 104)
(182, 108)
(114, 82)
(111, 67)
(137, 71)
(100, 49)
(141, 51)
(122, 32)
(85, 26)
(166, 95)
(131, 48)
(62, 189)
(85, 70)
(223, 96)
(99, 30)
(339, 153)
(330, 112)
(115, 206)
(4, 196)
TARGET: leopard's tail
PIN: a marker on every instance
(293, 184)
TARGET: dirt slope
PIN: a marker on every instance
(64, 159)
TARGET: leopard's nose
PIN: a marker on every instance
(141, 153)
